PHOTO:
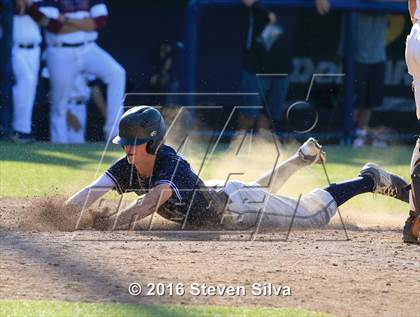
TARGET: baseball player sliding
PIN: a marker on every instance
(71, 31)
(412, 57)
(172, 189)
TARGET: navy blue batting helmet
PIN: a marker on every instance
(140, 125)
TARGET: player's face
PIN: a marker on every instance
(135, 153)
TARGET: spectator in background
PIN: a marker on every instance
(267, 53)
(71, 30)
(166, 76)
(25, 60)
(370, 56)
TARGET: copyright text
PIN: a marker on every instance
(203, 289)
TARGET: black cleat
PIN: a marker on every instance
(386, 183)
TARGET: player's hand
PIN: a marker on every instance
(73, 122)
(104, 211)
(21, 7)
(248, 3)
(272, 17)
(322, 6)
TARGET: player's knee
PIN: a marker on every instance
(120, 72)
(122, 78)
(115, 76)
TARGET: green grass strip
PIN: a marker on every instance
(64, 309)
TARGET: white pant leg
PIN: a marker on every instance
(416, 152)
(63, 65)
(274, 179)
(412, 51)
(412, 58)
(247, 203)
(26, 67)
(98, 62)
(79, 111)
(416, 84)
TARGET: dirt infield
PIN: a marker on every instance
(372, 274)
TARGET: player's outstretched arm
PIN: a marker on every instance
(142, 208)
(91, 193)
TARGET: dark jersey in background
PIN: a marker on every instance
(278, 59)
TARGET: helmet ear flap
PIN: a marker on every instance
(151, 147)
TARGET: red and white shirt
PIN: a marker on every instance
(73, 9)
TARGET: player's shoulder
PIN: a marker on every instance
(167, 152)
(167, 156)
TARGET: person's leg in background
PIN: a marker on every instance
(41, 110)
(376, 75)
(26, 67)
(276, 89)
(98, 62)
(263, 122)
(361, 112)
(63, 66)
(251, 101)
